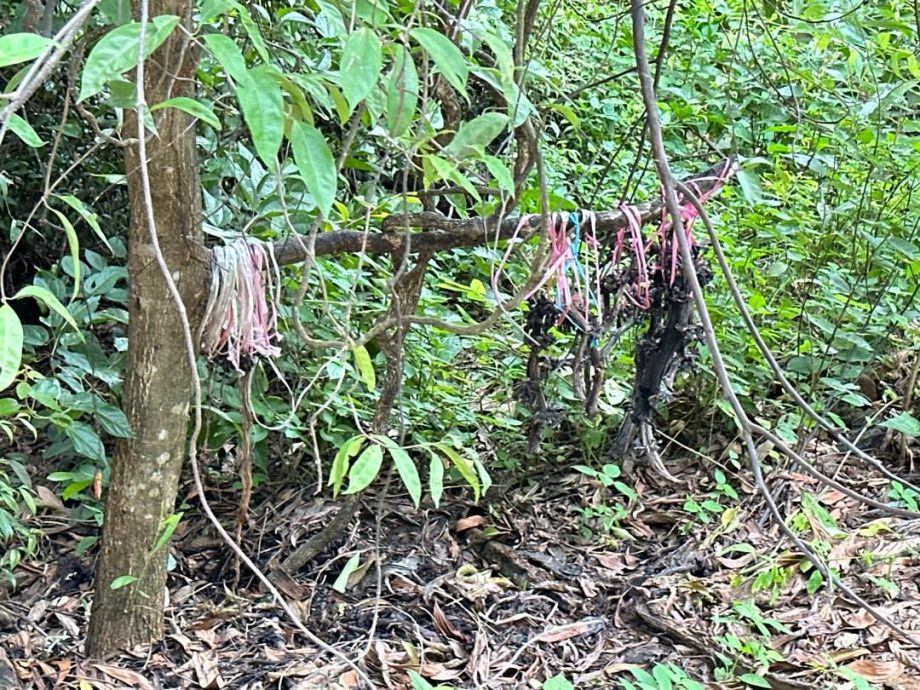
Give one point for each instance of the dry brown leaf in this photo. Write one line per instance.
(877, 671)
(126, 676)
(470, 522)
(830, 497)
(207, 670)
(444, 626)
(349, 679)
(735, 563)
(565, 632)
(612, 561)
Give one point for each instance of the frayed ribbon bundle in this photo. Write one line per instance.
(239, 322)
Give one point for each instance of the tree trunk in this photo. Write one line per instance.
(146, 467)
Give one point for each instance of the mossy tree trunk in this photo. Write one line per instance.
(146, 467)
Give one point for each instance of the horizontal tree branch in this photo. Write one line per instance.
(440, 233)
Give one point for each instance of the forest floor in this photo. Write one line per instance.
(510, 593)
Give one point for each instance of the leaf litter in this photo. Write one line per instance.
(509, 593)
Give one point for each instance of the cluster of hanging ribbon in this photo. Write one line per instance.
(575, 265)
(239, 321)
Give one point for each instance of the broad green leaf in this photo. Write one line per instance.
(24, 131)
(662, 676)
(436, 478)
(10, 345)
(365, 469)
(419, 683)
(117, 52)
(229, 56)
(463, 467)
(406, 468)
(252, 31)
(45, 296)
(315, 163)
(166, 531)
(22, 47)
(122, 581)
(558, 682)
(113, 420)
(365, 366)
(755, 680)
(74, 245)
(263, 110)
(194, 108)
(116, 11)
(475, 135)
(402, 93)
(484, 476)
(446, 56)
(91, 218)
(906, 423)
(86, 441)
(341, 582)
(436, 168)
(340, 464)
(500, 172)
(361, 64)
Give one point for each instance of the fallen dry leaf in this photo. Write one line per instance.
(207, 671)
(126, 676)
(877, 671)
(470, 522)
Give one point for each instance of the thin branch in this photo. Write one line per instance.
(441, 233)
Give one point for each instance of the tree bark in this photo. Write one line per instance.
(147, 466)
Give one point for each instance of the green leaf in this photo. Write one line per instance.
(122, 581)
(361, 64)
(484, 476)
(436, 478)
(419, 683)
(558, 682)
(74, 245)
(16, 48)
(475, 135)
(252, 31)
(86, 441)
(662, 677)
(500, 172)
(167, 528)
(340, 464)
(91, 218)
(10, 345)
(117, 52)
(906, 423)
(315, 163)
(341, 582)
(365, 469)
(24, 131)
(45, 296)
(263, 110)
(406, 468)
(402, 93)
(755, 680)
(446, 56)
(365, 366)
(463, 467)
(229, 56)
(113, 420)
(194, 108)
